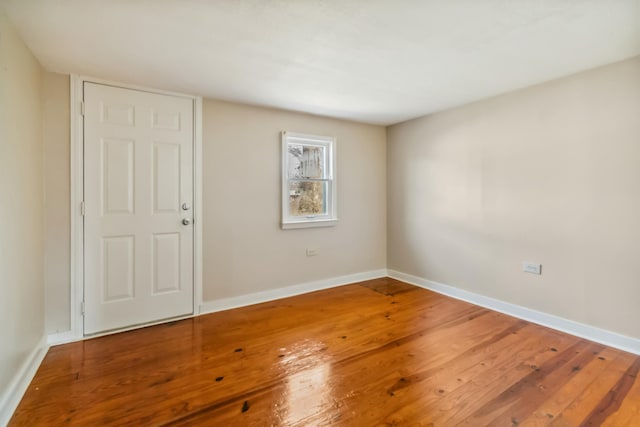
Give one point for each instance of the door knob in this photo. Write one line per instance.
(186, 221)
(186, 206)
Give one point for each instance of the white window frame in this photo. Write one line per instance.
(324, 220)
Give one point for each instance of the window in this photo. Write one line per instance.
(308, 181)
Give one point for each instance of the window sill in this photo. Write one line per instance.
(309, 224)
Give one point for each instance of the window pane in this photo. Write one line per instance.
(307, 198)
(306, 161)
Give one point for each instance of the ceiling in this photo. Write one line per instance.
(373, 61)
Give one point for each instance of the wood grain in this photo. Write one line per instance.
(380, 352)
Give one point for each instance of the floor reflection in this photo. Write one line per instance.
(308, 389)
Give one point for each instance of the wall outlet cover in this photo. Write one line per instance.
(532, 267)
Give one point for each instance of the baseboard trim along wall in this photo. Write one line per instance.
(582, 330)
(13, 394)
(288, 291)
(249, 299)
(592, 333)
(61, 338)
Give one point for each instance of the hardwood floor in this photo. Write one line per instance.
(375, 353)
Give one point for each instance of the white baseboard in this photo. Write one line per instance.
(62, 338)
(289, 291)
(592, 333)
(11, 397)
(249, 299)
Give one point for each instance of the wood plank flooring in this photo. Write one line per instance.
(379, 352)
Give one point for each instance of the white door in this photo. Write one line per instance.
(138, 193)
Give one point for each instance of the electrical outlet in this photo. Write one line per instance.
(531, 267)
(312, 252)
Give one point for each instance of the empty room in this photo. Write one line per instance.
(319, 212)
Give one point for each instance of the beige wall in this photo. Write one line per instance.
(21, 189)
(549, 174)
(244, 248)
(56, 140)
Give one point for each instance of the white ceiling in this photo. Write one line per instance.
(375, 61)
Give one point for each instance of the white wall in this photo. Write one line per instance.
(245, 250)
(21, 204)
(549, 174)
(56, 139)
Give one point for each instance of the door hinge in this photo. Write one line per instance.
(83, 209)
(82, 308)
(82, 108)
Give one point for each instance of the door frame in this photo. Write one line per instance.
(76, 302)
